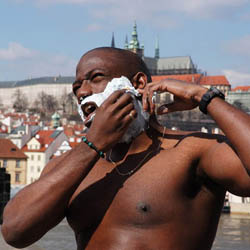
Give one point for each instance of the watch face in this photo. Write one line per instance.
(216, 92)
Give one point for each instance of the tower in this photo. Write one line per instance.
(55, 120)
(126, 43)
(134, 44)
(157, 49)
(113, 41)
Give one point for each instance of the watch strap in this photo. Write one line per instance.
(207, 98)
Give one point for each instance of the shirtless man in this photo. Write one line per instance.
(164, 190)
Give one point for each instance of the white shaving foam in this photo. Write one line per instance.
(139, 124)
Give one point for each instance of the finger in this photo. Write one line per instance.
(145, 103)
(142, 91)
(114, 97)
(127, 120)
(163, 109)
(123, 101)
(125, 111)
(150, 101)
(132, 114)
(170, 107)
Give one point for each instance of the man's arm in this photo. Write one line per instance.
(42, 205)
(229, 165)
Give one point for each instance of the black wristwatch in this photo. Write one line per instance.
(208, 96)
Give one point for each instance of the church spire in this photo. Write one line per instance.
(157, 49)
(134, 44)
(113, 41)
(126, 43)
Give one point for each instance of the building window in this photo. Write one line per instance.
(17, 177)
(5, 163)
(38, 169)
(32, 157)
(18, 163)
(32, 169)
(39, 157)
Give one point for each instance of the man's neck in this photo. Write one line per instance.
(120, 150)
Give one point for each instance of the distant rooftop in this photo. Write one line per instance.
(241, 88)
(40, 80)
(196, 78)
(8, 150)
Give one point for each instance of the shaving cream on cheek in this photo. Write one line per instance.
(114, 85)
(138, 125)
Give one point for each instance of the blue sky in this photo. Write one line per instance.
(47, 37)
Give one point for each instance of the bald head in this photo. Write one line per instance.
(128, 62)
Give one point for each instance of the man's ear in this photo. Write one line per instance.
(139, 80)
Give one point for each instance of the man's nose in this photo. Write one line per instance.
(84, 91)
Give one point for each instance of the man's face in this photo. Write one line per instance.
(93, 73)
(95, 70)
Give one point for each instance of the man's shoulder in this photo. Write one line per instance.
(190, 138)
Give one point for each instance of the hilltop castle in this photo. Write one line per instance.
(157, 65)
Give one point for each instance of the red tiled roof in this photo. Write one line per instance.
(32, 123)
(214, 80)
(188, 78)
(79, 127)
(68, 131)
(16, 116)
(241, 88)
(8, 150)
(74, 144)
(75, 130)
(44, 138)
(196, 78)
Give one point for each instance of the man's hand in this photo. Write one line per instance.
(111, 120)
(186, 96)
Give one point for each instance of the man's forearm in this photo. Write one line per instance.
(236, 126)
(41, 205)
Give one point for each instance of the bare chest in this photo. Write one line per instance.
(153, 194)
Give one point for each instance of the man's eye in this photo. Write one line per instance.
(75, 88)
(97, 77)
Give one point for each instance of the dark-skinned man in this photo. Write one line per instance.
(154, 190)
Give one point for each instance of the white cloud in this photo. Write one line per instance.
(197, 8)
(237, 78)
(16, 51)
(19, 63)
(205, 7)
(239, 46)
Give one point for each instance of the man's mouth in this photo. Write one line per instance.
(88, 110)
(89, 119)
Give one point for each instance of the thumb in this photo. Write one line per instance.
(168, 108)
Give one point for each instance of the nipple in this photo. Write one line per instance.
(143, 207)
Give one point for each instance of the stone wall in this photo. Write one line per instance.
(240, 208)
